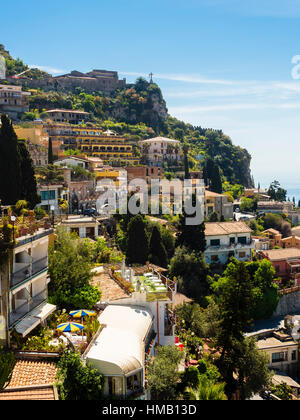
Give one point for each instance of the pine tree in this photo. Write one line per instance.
(10, 167)
(28, 184)
(137, 246)
(158, 253)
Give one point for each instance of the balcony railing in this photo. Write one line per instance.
(27, 307)
(28, 271)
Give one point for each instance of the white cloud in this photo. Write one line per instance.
(231, 107)
(48, 69)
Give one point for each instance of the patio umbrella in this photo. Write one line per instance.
(70, 327)
(80, 313)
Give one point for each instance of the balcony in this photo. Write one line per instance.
(26, 307)
(28, 271)
(229, 247)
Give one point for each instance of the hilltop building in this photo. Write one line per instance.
(105, 81)
(97, 80)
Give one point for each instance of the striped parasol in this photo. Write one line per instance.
(80, 313)
(70, 327)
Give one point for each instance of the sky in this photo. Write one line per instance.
(223, 64)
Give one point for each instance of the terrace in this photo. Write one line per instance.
(153, 283)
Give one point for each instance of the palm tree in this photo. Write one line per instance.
(207, 390)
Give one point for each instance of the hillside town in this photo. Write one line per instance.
(100, 301)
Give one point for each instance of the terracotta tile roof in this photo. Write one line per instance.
(158, 139)
(289, 238)
(225, 228)
(72, 111)
(282, 254)
(31, 393)
(212, 194)
(33, 372)
(180, 299)
(271, 230)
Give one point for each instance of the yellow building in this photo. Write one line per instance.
(37, 142)
(91, 141)
(35, 134)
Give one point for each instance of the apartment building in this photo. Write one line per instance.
(91, 141)
(228, 239)
(24, 280)
(13, 101)
(108, 148)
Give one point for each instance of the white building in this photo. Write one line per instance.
(228, 239)
(50, 195)
(72, 161)
(159, 149)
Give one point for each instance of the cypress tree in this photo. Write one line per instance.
(216, 181)
(28, 185)
(191, 236)
(10, 167)
(185, 149)
(158, 254)
(50, 153)
(137, 245)
(212, 176)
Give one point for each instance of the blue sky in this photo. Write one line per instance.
(220, 63)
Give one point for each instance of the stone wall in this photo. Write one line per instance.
(289, 303)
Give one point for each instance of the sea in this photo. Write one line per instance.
(293, 192)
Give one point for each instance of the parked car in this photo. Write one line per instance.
(90, 212)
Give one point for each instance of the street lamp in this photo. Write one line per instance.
(13, 219)
(52, 210)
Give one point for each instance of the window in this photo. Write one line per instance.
(242, 254)
(214, 258)
(294, 355)
(48, 195)
(232, 241)
(279, 357)
(242, 240)
(215, 242)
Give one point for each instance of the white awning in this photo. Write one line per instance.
(119, 349)
(34, 318)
